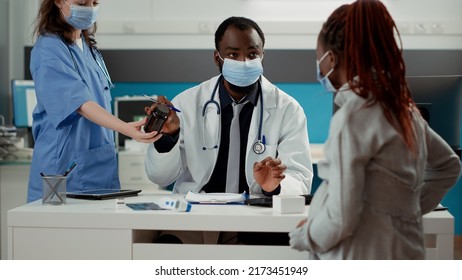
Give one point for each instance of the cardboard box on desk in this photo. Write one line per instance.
(288, 204)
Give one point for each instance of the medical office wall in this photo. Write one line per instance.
(179, 24)
(162, 47)
(4, 82)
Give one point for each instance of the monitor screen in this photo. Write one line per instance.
(440, 100)
(129, 109)
(24, 101)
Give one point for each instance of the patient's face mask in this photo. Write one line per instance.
(325, 82)
(242, 73)
(82, 17)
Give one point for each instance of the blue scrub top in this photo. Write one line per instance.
(61, 135)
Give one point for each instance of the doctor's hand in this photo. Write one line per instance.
(269, 173)
(172, 124)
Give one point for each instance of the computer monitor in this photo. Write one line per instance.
(24, 101)
(129, 109)
(439, 98)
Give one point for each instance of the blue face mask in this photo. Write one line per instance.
(325, 82)
(82, 17)
(242, 73)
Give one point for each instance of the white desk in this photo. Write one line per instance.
(84, 229)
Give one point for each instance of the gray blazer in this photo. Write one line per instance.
(374, 191)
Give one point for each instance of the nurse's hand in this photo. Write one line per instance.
(135, 132)
(269, 173)
(97, 114)
(172, 124)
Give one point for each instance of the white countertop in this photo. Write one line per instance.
(106, 214)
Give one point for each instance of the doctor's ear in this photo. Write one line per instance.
(217, 59)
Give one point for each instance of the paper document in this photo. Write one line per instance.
(216, 198)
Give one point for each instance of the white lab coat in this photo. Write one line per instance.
(190, 167)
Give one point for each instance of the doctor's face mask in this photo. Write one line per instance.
(242, 73)
(82, 17)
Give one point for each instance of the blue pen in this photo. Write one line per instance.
(69, 169)
(155, 101)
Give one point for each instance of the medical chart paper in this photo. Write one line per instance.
(215, 198)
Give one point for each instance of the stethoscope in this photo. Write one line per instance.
(258, 147)
(98, 57)
(101, 64)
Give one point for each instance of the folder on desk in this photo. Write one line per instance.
(100, 194)
(215, 198)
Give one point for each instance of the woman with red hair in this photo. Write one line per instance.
(384, 167)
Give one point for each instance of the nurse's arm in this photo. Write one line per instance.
(97, 114)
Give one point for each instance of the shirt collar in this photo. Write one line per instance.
(226, 99)
(341, 96)
(345, 94)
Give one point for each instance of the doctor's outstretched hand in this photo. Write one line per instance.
(268, 173)
(172, 124)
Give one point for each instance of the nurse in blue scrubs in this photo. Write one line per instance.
(72, 120)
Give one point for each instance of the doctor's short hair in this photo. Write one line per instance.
(240, 23)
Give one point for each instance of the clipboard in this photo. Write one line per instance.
(100, 194)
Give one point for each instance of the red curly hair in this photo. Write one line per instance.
(362, 34)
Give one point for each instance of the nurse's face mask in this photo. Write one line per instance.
(82, 17)
(325, 82)
(241, 73)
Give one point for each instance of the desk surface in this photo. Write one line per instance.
(106, 214)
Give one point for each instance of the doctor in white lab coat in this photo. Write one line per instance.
(277, 152)
(190, 167)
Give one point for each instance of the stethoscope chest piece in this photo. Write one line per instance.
(259, 148)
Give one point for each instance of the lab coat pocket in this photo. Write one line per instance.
(270, 151)
(97, 168)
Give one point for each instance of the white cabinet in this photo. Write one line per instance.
(89, 230)
(132, 173)
(71, 243)
(14, 179)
